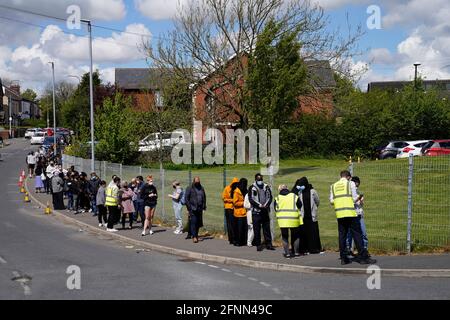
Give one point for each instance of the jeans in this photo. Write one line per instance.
(178, 210)
(262, 220)
(140, 210)
(76, 203)
(70, 200)
(135, 213)
(363, 232)
(94, 206)
(295, 240)
(344, 226)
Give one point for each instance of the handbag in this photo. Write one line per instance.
(43, 177)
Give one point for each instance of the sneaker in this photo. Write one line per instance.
(112, 230)
(345, 261)
(178, 232)
(249, 244)
(259, 248)
(143, 234)
(367, 261)
(100, 225)
(151, 232)
(90, 210)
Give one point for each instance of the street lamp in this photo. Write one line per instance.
(91, 92)
(415, 73)
(54, 108)
(10, 108)
(72, 76)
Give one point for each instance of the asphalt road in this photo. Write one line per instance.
(36, 251)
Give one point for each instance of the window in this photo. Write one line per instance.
(159, 101)
(400, 144)
(420, 145)
(209, 102)
(445, 145)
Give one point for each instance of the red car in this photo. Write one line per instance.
(436, 148)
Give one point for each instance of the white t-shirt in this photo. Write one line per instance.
(31, 159)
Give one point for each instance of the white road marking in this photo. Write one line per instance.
(213, 266)
(252, 279)
(276, 290)
(226, 270)
(198, 262)
(265, 284)
(2, 260)
(239, 274)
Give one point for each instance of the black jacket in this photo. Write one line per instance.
(145, 191)
(192, 201)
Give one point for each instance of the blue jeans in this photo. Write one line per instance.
(94, 206)
(70, 202)
(364, 234)
(178, 210)
(140, 209)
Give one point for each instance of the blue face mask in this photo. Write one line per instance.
(259, 183)
(300, 188)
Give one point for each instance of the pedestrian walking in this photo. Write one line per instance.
(250, 234)
(343, 196)
(112, 204)
(287, 209)
(126, 204)
(38, 183)
(360, 212)
(260, 197)
(58, 190)
(100, 201)
(309, 231)
(227, 198)
(150, 196)
(178, 200)
(240, 213)
(31, 162)
(196, 205)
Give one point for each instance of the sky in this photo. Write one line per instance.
(409, 31)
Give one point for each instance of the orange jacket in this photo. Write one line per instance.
(238, 202)
(226, 195)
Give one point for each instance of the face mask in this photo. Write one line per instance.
(197, 184)
(150, 182)
(301, 188)
(259, 183)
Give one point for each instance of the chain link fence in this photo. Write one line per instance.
(394, 190)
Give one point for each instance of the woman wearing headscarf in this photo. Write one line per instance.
(309, 231)
(58, 190)
(240, 213)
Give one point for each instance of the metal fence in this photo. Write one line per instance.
(394, 190)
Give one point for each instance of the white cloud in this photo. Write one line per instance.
(159, 9)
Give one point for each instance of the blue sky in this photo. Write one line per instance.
(412, 30)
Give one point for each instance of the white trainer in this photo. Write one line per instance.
(112, 230)
(151, 232)
(100, 225)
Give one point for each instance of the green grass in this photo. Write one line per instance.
(384, 184)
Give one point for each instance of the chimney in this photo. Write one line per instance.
(15, 88)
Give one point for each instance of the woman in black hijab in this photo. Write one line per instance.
(309, 231)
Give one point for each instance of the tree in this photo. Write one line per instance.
(63, 91)
(213, 37)
(29, 94)
(116, 131)
(276, 78)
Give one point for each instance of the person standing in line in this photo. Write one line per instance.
(343, 196)
(287, 209)
(260, 198)
(227, 198)
(92, 188)
(58, 190)
(150, 196)
(112, 203)
(38, 183)
(100, 201)
(140, 200)
(240, 213)
(196, 205)
(31, 162)
(133, 187)
(309, 234)
(360, 212)
(177, 203)
(49, 173)
(126, 204)
(250, 234)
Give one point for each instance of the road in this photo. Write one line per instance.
(36, 251)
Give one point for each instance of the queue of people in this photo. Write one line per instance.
(247, 208)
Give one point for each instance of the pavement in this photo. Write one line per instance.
(37, 250)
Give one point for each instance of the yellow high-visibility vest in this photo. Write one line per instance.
(286, 211)
(343, 200)
(111, 196)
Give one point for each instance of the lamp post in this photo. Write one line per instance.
(72, 76)
(54, 108)
(91, 92)
(415, 74)
(10, 108)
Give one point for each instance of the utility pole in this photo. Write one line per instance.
(415, 74)
(91, 92)
(54, 108)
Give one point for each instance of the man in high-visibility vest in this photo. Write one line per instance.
(287, 210)
(343, 196)
(112, 203)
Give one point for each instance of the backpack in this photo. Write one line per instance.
(183, 198)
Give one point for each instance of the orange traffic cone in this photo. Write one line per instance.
(23, 174)
(27, 198)
(47, 209)
(22, 190)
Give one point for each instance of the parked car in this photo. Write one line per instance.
(391, 150)
(436, 148)
(30, 132)
(413, 147)
(155, 140)
(38, 138)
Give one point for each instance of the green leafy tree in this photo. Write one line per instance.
(29, 94)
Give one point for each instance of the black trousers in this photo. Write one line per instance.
(130, 219)
(195, 222)
(262, 220)
(113, 216)
(295, 240)
(102, 214)
(352, 224)
(229, 217)
(240, 230)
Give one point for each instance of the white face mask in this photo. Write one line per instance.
(301, 188)
(259, 183)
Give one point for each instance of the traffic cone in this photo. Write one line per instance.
(20, 182)
(23, 174)
(22, 190)
(27, 198)
(47, 209)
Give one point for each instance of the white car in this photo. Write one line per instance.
(30, 133)
(38, 138)
(413, 147)
(154, 140)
